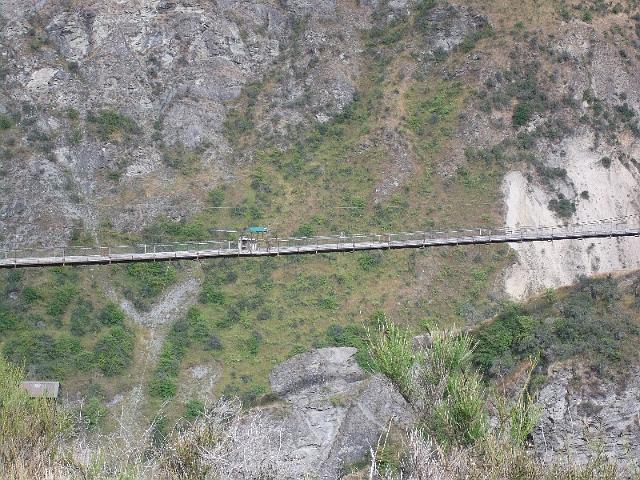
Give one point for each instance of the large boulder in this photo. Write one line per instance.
(332, 412)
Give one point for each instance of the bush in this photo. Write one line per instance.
(152, 278)
(216, 196)
(60, 300)
(111, 314)
(163, 388)
(305, 230)
(584, 322)
(81, 319)
(213, 343)
(47, 357)
(5, 122)
(253, 343)
(93, 413)
(211, 294)
(8, 319)
(562, 206)
(114, 350)
(198, 328)
(522, 114)
(164, 381)
(111, 125)
(511, 331)
(30, 295)
(369, 260)
(193, 409)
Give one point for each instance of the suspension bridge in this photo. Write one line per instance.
(264, 245)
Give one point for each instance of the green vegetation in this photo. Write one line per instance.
(114, 350)
(112, 125)
(5, 122)
(146, 281)
(93, 413)
(111, 315)
(440, 381)
(193, 327)
(182, 158)
(522, 114)
(589, 322)
(562, 206)
(57, 326)
(30, 429)
(391, 353)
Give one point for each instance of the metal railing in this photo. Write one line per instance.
(264, 246)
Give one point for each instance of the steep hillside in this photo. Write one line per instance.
(152, 120)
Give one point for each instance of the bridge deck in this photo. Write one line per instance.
(293, 246)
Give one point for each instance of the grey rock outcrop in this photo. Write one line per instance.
(333, 412)
(584, 415)
(174, 68)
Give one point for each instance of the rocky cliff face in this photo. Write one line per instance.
(170, 67)
(585, 416)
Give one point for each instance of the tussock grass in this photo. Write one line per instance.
(453, 438)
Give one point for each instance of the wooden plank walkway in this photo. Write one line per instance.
(16, 258)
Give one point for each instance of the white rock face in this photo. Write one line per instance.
(40, 78)
(613, 192)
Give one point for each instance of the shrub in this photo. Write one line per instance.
(114, 350)
(93, 413)
(111, 125)
(5, 122)
(369, 260)
(81, 320)
(46, 356)
(562, 206)
(213, 343)
(253, 343)
(164, 381)
(305, 230)
(193, 409)
(111, 314)
(8, 319)
(522, 114)
(216, 196)
(163, 388)
(197, 325)
(211, 294)
(152, 278)
(60, 300)
(606, 162)
(511, 331)
(233, 315)
(30, 295)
